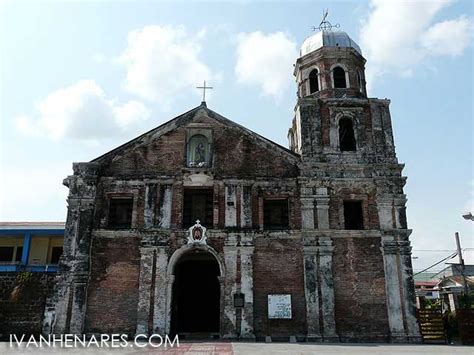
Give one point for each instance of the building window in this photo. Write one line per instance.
(19, 253)
(353, 218)
(198, 151)
(275, 214)
(347, 142)
(339, 77)
(56, 253)
(313, 81)
(198, 204)
(6, 254)
(120, 212)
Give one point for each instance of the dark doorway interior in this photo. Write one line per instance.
(196, 295)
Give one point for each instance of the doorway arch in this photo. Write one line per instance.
(196, 291)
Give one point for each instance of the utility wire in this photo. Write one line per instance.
(439, 262)
(444, 250)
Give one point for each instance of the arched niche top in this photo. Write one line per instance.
(189, 248)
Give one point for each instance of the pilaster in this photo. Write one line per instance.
(228, 326)
(161, 280)
(400, 211)
(310, 251)
(408, 288)
(322, 208)
(73, 276)
(327, 289)
(246, 259)
(147, 255)
(307, 212)
(79, 297)
(392, 288)
(385, 208)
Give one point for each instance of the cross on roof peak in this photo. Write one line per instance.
(204, 88)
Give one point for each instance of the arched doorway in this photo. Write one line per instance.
(195, 306)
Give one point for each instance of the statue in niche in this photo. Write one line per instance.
(199, 154)
(198, 151)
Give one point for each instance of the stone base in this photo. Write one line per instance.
(331, 339)
(416, 339)
(247, 337)
(293, 339)
(314, 338)
(398, 338)
(268, 339)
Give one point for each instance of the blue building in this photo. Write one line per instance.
(30, 246)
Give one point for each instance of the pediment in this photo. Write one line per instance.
(234, 149)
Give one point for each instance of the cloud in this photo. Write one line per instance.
(163, 61)
(399, 35)
(81, 111)
(266, 60)
(448, 37)
(36, 196)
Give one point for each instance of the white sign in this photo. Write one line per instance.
(279, 306)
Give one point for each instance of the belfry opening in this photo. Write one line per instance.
(196, 296)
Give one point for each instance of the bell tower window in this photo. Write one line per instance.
(313, 81)
(347, 142)
(353, 215)
(339, 78)
(198, 154)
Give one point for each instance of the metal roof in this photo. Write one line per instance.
(32, 225)
(328, 39)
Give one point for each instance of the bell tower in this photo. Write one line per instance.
(351, 184)
(331, 115)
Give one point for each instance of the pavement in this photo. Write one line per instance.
(238, 348)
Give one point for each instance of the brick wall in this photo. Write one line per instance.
(359, 286)
(113, 288)
(166, 156)
(24, 316)
(278, 269)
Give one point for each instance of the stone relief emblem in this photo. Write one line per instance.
(197, 234)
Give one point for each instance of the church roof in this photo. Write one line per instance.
(328, 39)
(187, 117)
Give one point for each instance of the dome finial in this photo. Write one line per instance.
(325, 25)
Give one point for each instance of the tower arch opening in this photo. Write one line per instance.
(347, 141)
(339, 78)
(313, 81)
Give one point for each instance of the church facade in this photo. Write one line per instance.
(201, 227)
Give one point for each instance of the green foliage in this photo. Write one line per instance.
(466, 300)
(430, 303)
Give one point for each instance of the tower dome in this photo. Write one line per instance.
(327, 38)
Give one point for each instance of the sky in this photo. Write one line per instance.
(79, 78)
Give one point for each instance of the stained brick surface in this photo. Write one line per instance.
(25, 315)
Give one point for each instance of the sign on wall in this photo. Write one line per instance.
(279, 306)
